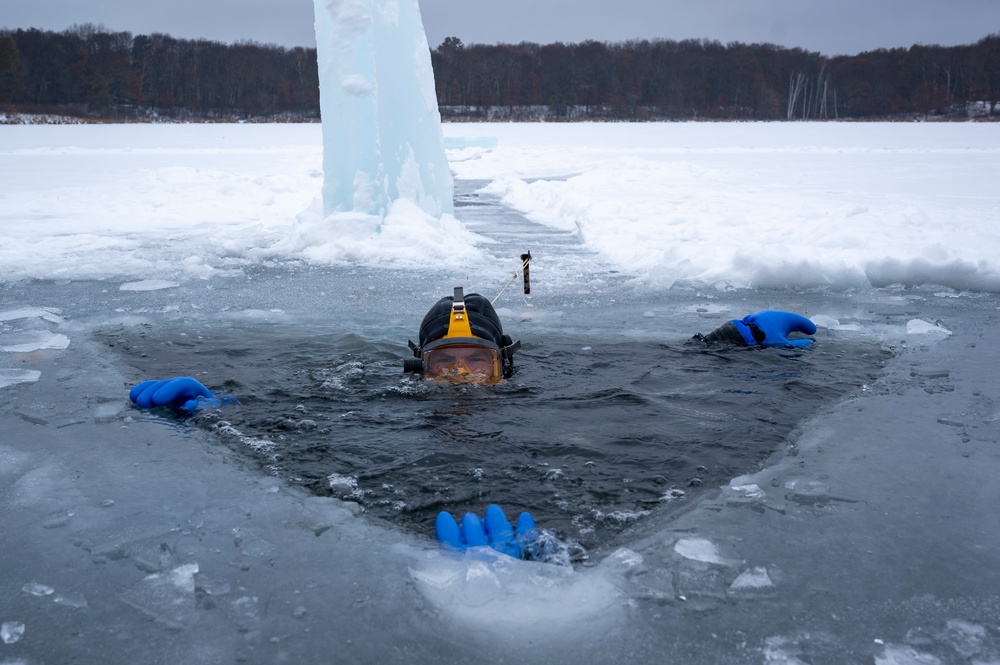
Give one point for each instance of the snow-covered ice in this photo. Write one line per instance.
(873, 537)
(744, 205)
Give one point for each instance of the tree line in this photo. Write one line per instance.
(665, 79)
(90, 71)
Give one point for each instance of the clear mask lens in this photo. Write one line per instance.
(461, 363)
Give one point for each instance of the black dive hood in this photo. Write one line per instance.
(483, 322)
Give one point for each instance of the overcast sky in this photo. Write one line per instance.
(831, 27)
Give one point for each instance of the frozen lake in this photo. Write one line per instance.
(863, 530)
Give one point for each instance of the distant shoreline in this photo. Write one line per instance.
(89, 73)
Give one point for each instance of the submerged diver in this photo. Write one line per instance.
(462, 341)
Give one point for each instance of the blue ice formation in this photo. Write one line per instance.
(382, 138)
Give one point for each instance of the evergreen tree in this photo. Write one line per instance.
(11, 69)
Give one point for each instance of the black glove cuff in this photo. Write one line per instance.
(727, 333)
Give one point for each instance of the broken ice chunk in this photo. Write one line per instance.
(72, 599)
(11, 631)
(9, 377)
(45, 313)
(36, 589)
(921, 327)
(167, 597)
(148, 285)
(699, 549)
(35, 340)
(755, 578)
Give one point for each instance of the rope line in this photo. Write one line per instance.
(524, 264)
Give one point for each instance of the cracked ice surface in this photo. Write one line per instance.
(872, 538)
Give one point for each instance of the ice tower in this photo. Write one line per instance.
(382, 137)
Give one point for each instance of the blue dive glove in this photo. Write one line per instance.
(770, 327)
(181, 393)
(495, 530)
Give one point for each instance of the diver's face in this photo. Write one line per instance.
(467, 363)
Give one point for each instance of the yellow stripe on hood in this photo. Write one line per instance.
(459, 324)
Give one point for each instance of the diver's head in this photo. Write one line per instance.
(461, 340)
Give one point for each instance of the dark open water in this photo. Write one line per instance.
(589, 435)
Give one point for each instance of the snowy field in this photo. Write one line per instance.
(873, 539)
